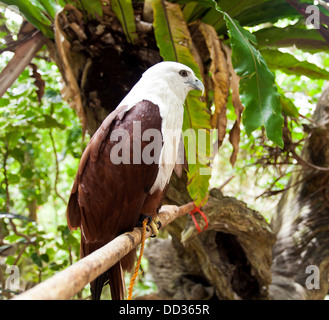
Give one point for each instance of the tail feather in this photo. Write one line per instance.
(116, 281)
(97, 285)
(114, 276)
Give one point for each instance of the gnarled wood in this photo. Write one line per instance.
(230, 260)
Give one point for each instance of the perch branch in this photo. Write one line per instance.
(68, 282)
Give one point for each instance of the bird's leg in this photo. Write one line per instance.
(153, 222)
(155, 225)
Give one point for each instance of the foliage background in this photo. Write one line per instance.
(41, 142)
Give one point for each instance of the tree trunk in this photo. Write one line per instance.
(98, 65)
(301, 223)
(231, 259)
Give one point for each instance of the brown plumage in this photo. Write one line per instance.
(108, 196)
(107, 199)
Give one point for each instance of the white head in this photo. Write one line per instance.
(163, 81)
(179, 77)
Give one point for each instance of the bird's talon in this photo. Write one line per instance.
(154, 228)
(153, 223)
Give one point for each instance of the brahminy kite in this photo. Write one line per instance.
(120, 177)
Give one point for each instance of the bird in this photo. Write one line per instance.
(125, 168)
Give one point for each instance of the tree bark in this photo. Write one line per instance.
(229, 260)
(98, 65)
(301, 222)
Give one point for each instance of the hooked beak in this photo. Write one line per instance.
(196, 84)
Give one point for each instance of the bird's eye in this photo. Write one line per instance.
(183, 73)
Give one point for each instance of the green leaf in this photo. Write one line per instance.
(36, 259)
(4, 102)
(248, 12)
(288, 107)
(18, 154)
(12, 138)
(257, 88)
(253, 12)
(54, 266)
(172, 35)
(163, 32)
(123, 9)
(27, 173)
(51, 7)
(94, 8)
(199, 171)
(49, 122)
(44, 257)
(33, 11)
(305, 39)
(174, 42)
(287, 63)
(13, 238)
(190, 10)
(10, 260)
(13, 178)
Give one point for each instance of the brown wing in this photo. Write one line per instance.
(107, 198)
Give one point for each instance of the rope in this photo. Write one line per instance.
(197, 209)
(133, 278)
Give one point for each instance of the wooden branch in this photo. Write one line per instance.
(230, 260)
(68, 282)
(23, 56)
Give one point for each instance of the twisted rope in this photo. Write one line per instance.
(133, 278)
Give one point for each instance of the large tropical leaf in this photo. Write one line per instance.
(287, 63)
(247, 12)
(175, 44)
(125, 13)
(257, 89)
(258, 92)
(172, 35)
(263, 12)
(51, 7)
(297, 35)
